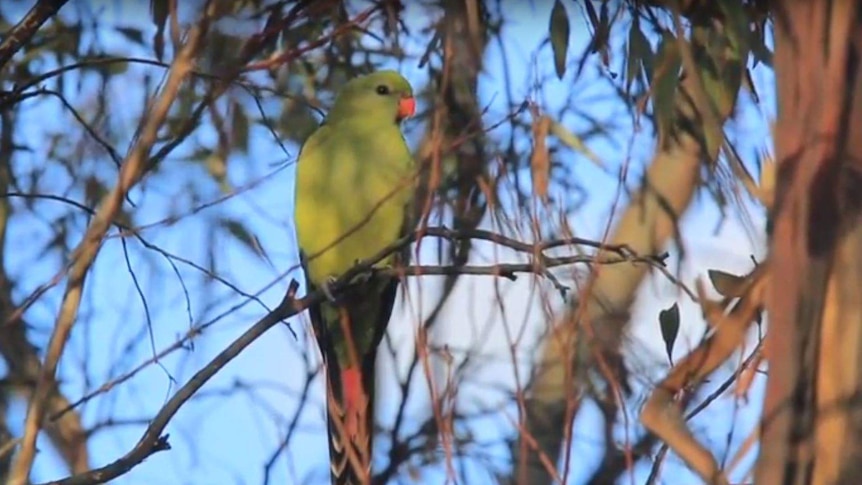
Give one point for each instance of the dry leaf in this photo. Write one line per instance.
(540, 161)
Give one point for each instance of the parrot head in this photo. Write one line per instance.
(379, 95)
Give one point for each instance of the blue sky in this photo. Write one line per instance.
(227, 434)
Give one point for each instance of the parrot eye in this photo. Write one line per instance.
(382, 90)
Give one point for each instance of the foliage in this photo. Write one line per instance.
(197, 243)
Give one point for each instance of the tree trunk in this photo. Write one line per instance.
(812, 429)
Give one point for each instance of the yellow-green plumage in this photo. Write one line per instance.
(353, 186)
(346, 172)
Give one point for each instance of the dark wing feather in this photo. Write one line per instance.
(342, 472)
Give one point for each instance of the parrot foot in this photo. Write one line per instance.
(327, 288)
(365, 277)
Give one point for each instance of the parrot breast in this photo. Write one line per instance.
(352, 191)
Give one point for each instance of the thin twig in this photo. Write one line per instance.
(292, 54)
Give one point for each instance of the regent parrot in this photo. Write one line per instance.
(353, 189)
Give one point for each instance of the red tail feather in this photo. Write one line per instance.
(354, 401)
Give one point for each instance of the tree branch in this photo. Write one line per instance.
(152, 440)
(85, 253)
(16, 38)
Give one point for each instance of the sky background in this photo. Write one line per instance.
(228, 432)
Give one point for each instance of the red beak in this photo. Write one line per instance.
(406, 107)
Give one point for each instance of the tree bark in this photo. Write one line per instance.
(812, 424)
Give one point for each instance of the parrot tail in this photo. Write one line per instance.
(350, 423)
(350, 382)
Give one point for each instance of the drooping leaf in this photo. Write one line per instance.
(240, 127)
(558, 30)
(540, 161)
(738, 30)
(665, 83)
(216, 165)
(638, 54)
(721, 69)
(58, 241)
(668, 321)
(159, 12)
(111, 68)
(272, 22)
(240, 232)
(297, 122)
(221, 47)
(574, 142)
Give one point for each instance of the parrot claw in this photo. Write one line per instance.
(327, 288)
(364, 277)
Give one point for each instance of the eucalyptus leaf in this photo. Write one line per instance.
(665, 83)
(726, 284)
(638, 55)
(159, 12)
(558, 30)
(238, 230)
(668, 321)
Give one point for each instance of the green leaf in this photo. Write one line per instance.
(241, 233)
(132, 34)
(297, 122)
(722, 70)
(573, 141)
(726, 284)
(94, 191)
(668, 321)
(759, 50)
(216, 165)
(240, 126)
(114, 68)
(665, 83)
(639, 55)
(558, 30)
(274, 19)
(159, 12)
(739, 34)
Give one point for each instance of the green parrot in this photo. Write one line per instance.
(354, 185)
